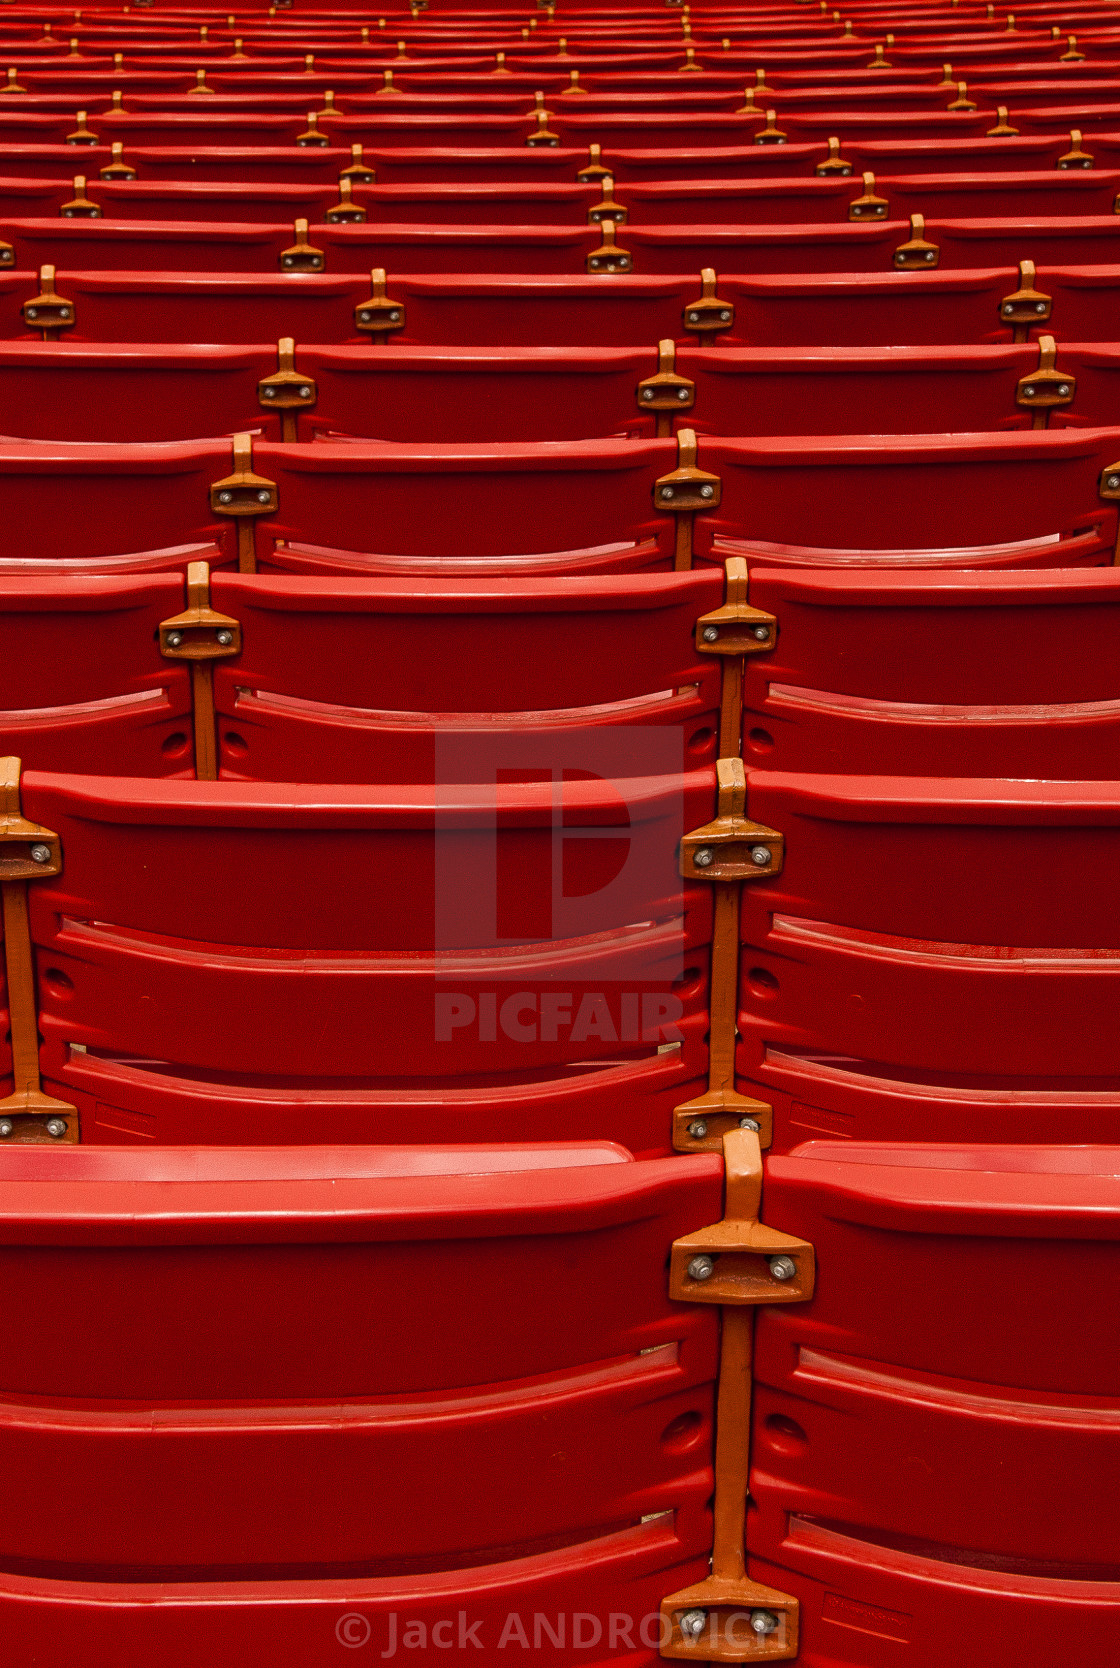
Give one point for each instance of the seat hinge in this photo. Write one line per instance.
(1003, 128)
(302, 256)
(733, 631)
(727, 852)
(28, 852)
(609, 256)
(708, 315)
(608, 208)
(1026, 306)
(359, 172)
(962, 101)
(287, 390)
(771, 134)
(80, 207)
(917, 254)
(245, 496)
(48, 312)
(1076, 156)
(118, 168)
(869, 206)
(313, 133)
(82, 134)
(593, 168)
(739, 1262)
(346, 212)
(542, 134)
(667, 391)
(1045, 389)
(387, 85)
(379, 316)
(573, 89)
(200, 636)
(834, 163)
(683, 491)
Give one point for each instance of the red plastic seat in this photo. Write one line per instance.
(925, 1461)
(219, 1460)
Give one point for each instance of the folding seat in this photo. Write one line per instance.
(656, 131)
(936, 500)
(995, 196)
(526, 202)
(1058, 239)
(217, 200)
(825, 246)
(444, 963)
(159, 127)
(157, 245)
(1081, 298)
(383, 132)
(494, 164)
(871, 124)
(276, 165)
(136, 392)
(738, 201)
(192, 307)
(924, 1469)
(1013, 155)
(992, 708)
(335, 1459)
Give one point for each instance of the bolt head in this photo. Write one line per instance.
(761, 634)
(666, 492)
(782, 1268)
(707, 491)
(1008, 309)
(174, 638)
(225, 638)
(694, 318)
(263, 497)
(394, 316)
(1063, 390)
(1113, 482)
(32, 312)
(6, 1128)
(594, 263)
(647, 393)
(725, 316)
(682, 393)
(692, 1623)
(929, 254)
(764, 1622)
(704, 857)
(750, 1123)
(710, 634)
(64, 312)
(268, 393)
(760, 856)
(286, 260)
(225, 498)
(1029, 393)
(856, 209)
(1040, 306)
(305, 392)
(56, 1128)
(698, 1129)
(40, 854)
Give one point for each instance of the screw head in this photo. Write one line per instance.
(1029, 392)
(305, 392)
(56, 1128)
(704, 857)
(225, 638)
(1113, 482)
(694, 318)
(263, 497)
(764, 1622)
(692, 1623)
(783, 1268)
(364, 316)
(225, 498)
(32, 312)
(761, 634)
(701, 1267)
(1063, 390)
(682, 393)
(286, 260)
(1040, 306)
(750, 1123)
(856, 209)
(707, 491)
(666, 492)
(64, 312)
(40, 854)
(174, 638)
(760, 856)
(1008, 309)
(725, 316)
(929, 255)
(394, 316)
(710, 634)
(6, 1128)
(268, 393)
(698, 1130)
(593, 262)
(647, 393)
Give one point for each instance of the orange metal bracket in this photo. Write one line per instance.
(609, 256)
(199, 636)
(48, 311)
(1026, 305)
(917, 254)
(379, 316)
(286, 390)
(683, 491)
(302, 256)
(708, 315)
(739, 1263)
(869, 206)
(1045, 389)
(244, 495)
(667, 391)
(27, 852)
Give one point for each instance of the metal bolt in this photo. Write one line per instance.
(707, 491)
(394, 316)
(263, 497)
(856, 209)
(269, 393)
(750, 1123)
(929, 254)
(783, 1268)
(647, 393)
(225, 498)
(692, 1623)
(694, 318)
(1063, 389)
(1029, 393)
(761, 634)
(760, 856)
(1008, 309)
(698, 1130)
(701, 1267)
(32, 312)
(174, 638)
(56, 1128)
(622, 265)
(225, 638)
(40, 854)
(364, 316)
(764, 1621)
(305, 392)
(594, 263)
(64, 312)
(682, 393)
(666, 492)
(1040, 306)
(286, 260)
(710, 634)
(1113, 482)
(6, 1127)
(725, 317)
(704, 857)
